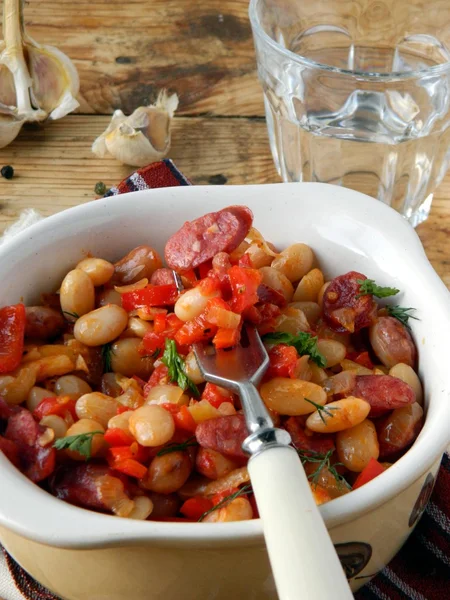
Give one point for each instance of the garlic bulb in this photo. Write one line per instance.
(36, 82)
(141, 138)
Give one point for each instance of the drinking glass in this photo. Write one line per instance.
(357, 93)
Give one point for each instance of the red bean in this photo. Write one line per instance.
(224, 434)
(200, 240)
(392, 342)
(398, 430)
(383, 393)
(343, 310)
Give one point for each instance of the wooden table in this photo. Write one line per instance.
(125, 52)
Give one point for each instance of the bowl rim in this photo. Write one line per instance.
(64, 525)
(265, 38)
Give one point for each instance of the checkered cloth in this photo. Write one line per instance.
(420, 571)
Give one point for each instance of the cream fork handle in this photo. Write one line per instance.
(303, 559)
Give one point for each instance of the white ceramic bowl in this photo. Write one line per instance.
(79, 554)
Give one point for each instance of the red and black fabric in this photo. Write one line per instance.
(420, 571)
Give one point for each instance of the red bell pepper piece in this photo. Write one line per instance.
(217, 498)
(130, 467)
(152, 295)
(362, 358)
(191, 277)
(244, 285)
(245, 261)
(195, 507)
(372, 470)
(12, 334)
(227, 338)
(55, 405)
(159, 375)
(204, 269)
(283, 360)
(159, 323)
(197, 330)
(118, 437)
(216, 396)
(184, 420)
(11, 450)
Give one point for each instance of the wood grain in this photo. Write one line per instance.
(55, 169)
(126, 51)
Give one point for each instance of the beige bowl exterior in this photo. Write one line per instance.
(81, 555)
(145, 572)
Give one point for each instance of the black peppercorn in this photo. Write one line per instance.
(7, 172)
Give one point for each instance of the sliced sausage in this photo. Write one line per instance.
(224, 434)
(343, 310)
(162, 277)
(270, 295)
(392, 342)
(10, 450)
(80, 485)
(43, 323)
(139, 263)
(36, 462)
(383, 393)
(200, 240)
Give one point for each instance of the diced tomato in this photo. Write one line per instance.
(197, 330)
(244, 285)
(245, 261)
(204, 269)
(191, 277)
(160, 375)
(118, 437)
(227, 338)
(54, 406)
(195, 507)
(159, 323)
(131, 467)
(372, 470)
(184, 420)
(12, 334)
(283, 360)
(362, 358)
(219, 313)
(217, 396)
(152, 342)
(152, 295)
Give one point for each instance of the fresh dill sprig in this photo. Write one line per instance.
(322, 409)
(178, 447)
(401, 314)
(243, 491)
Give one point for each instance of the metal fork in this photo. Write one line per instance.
(303, 559)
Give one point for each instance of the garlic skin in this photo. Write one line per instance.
(37, 82)
(143, 137)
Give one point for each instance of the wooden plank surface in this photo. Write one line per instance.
(55, 169)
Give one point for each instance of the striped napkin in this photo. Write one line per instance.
(420, 571)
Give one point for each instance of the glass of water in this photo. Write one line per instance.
(357, 93)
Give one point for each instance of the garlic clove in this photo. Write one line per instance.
(9, 128)
(55, 80)
(141, 138)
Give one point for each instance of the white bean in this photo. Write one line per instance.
(126, 359)
(357, 445)
(56, 423)
(86, 426)
(238, 509)
(291, 320)
(311, 310)
(333, 351)
(143, 507)
(138, 327)
(36, 395)
(109, 297)
(408, 375)
(96, 406)
(259, 258)
(192, 369)
(121, 421)
(294, 262)
(77, 295)
(167, 394)
(71, 385)
(192, 303)
(339, 415)
(277, 281)
(152, 425)
(100, 271)
(101, 326)
(288, 396)
(309, 287)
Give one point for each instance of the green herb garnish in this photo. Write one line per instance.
(401, 314)
(369, 287)
(100, 188)
(81, 443)
(323, 409)
(178, 447)
(225, 501)
(322, 460)
(107, 352)
(71, 314)
(177, 368)
(303, 342)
